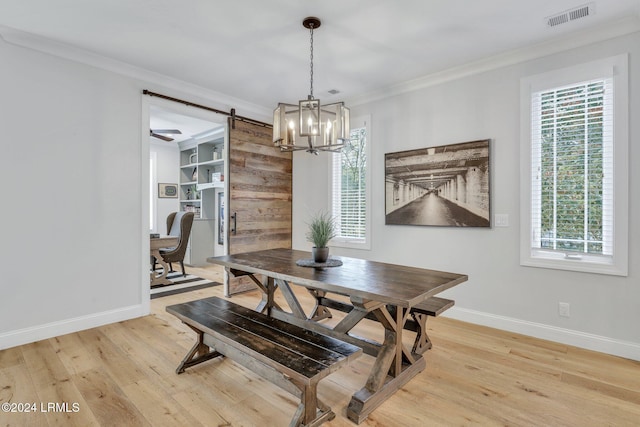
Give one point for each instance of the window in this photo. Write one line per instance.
(350, 189)
(574, 161)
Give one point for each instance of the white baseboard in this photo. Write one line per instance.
(626, 349)
(54, 329)
(598, 343)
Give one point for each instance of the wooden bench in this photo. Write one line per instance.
(419, 313)
(291, 357)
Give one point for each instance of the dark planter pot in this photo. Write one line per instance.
(320, 255)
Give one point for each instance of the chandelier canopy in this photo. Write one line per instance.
(309, 125)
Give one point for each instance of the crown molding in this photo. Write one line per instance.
(627, 25)
(62, 50)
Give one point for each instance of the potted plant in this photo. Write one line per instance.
(322, 228)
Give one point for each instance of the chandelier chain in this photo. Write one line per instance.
(311, 56)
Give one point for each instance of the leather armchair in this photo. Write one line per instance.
(178, 224)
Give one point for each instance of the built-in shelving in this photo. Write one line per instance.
(202, 163)
(211, 164)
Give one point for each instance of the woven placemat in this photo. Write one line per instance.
(331, 262)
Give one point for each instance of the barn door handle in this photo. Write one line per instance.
(234, 217)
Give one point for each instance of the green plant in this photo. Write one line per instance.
(322, 228)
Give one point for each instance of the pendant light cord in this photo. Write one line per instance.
(311, 55)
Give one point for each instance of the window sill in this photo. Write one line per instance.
(351, 244)
(578, 265)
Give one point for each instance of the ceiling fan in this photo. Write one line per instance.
(159, 133)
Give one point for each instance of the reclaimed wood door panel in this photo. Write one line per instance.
(260, 194)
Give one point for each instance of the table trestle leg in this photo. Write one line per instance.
(268, 288)
(319, 312)
(291, 299)
(394, 366)
(361, 308)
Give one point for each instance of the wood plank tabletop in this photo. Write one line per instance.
(163, 242)
(388, 283)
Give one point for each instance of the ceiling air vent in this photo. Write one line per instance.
(571, 15)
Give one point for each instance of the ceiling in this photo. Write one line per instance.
(258, 51)
(191, 127)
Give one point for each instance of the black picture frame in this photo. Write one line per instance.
(446, 185)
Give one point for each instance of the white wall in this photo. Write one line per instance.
(75, 167)
(71, 213)
(167, 171)
(605, 310)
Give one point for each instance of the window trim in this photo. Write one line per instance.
(346, 242)
(617, 68)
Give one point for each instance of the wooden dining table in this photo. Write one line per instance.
(155, 244)
(386, 291)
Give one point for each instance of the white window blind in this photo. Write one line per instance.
(349, 190)
(572, 169)
(574, 186)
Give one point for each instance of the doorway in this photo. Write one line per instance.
(174, 179)
(261, 178)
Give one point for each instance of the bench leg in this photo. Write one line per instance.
(311, 411)
(422, 342)
(199, 353)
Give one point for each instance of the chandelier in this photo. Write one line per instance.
(309, 125)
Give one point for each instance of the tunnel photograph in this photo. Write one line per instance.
(446, 185)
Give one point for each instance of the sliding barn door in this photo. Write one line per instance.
(260, 188)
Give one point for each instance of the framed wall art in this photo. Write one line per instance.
(446, 185)
(168, 191)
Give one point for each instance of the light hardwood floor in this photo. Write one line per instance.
(123, 375)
